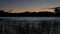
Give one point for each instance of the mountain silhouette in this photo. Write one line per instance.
(32, 14)
(28, 14)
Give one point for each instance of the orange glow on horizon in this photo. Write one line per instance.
(30, 10)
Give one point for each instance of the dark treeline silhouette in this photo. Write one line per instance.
(28, 14)
(57, 10)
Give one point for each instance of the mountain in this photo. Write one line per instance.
(2, 13)
(32, 14)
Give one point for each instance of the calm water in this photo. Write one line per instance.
(29, 25)
(31, 18)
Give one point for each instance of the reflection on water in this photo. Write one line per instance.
(43, 26)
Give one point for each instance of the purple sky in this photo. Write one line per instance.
(25, 4)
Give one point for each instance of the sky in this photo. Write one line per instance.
(27, 4)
